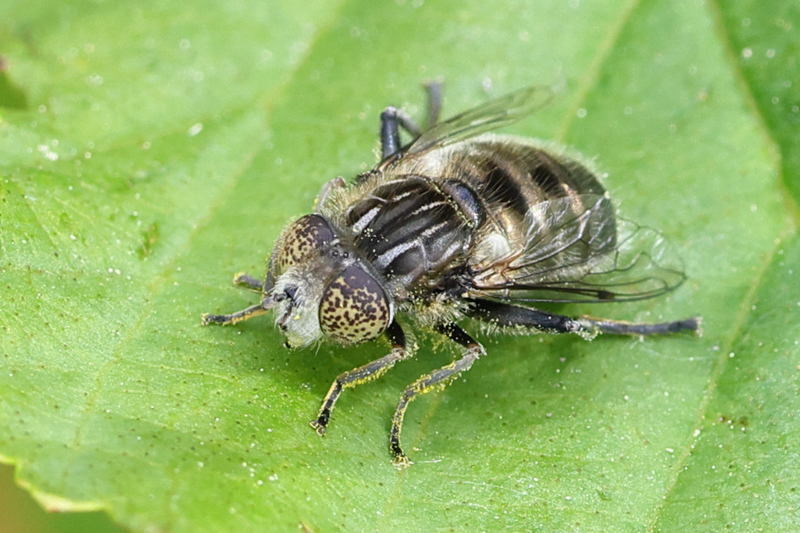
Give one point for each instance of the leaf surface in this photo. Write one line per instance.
(137, 174)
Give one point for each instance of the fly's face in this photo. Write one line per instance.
(292, 287)
(296, 300)
(320, 288)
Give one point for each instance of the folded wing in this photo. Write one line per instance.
(577, 250)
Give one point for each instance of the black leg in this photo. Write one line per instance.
(437, 379)
(248, 281)
(619, 327)
(507, 315)
(390, 135)
(391, 120)
(362, 374)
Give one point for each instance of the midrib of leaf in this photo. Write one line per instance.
(263, 104)
(66, 268)
(744, 313)
(742, 317)
(218, 116)
(588, 81)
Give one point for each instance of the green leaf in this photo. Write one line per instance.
(148, 151)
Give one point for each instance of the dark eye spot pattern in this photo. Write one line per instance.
(301, 238)
(354, 308)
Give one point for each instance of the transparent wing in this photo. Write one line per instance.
(489, 116)
(577, 250)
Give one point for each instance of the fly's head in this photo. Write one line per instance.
(319, 287)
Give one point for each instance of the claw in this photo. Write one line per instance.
(208, 318)
(401, 461)
(318, 426)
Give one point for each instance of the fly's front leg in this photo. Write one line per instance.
(507, 315)
(336, 183)
(437, 379)
(362, 374)
(233, 318)
(244, 280)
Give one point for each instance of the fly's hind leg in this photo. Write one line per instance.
(437, 379)
(362, 374)
(507, 315)
(433, 90)
(619, 327)
(392, 119)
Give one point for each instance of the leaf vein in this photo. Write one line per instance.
(742, 316)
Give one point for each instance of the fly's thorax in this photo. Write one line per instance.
(321, 287)
(411, 228)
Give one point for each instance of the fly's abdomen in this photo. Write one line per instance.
(515, 176)
(412, 227)
(512, 179)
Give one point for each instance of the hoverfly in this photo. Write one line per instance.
(458, 223)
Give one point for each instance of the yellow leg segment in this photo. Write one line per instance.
(233, 318)
(363, 374)
(438, 379)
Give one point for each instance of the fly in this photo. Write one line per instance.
(459, 223)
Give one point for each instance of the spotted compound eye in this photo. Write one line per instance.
(300, 240)
(354, 307)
